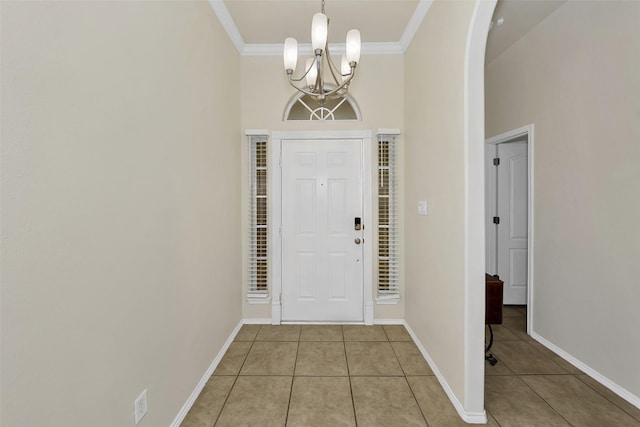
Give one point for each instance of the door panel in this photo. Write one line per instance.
(513, 229)
(322, 274)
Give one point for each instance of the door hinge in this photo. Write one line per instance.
(496, 220)
(496, 161)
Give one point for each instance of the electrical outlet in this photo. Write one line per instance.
(140, 406)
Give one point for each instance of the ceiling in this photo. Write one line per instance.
(259, 27)
(271, 21)
(519, 17)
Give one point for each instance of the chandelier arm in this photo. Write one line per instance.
(319, 87)
(332, 66)
(305, 91)
(344, 84)
(291, 78)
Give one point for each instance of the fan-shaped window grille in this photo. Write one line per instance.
(305, 107)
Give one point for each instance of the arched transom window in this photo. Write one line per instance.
(305, 107)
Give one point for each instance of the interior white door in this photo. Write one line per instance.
(513, 228)
(322, 252)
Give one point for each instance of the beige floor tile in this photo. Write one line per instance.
(207, 406)
(434, 403)
(363, 333)
(321, 359)
(517, 325)
(321, 333)
(500, 333)
(233, 358)
(521, 358)
(410, 358)
(498, 369)
(257, 401)
(513, 403)
(577, 402)
(611, 396)
(372, 358)
(320, 402)
(270, 358)
(397, 333)
(399, 407)
(491, 421)
(247, 333)
(555, 358)
(279, 333)
(512, 311)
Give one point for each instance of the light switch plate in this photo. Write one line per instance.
(140, 406)
(422, 207)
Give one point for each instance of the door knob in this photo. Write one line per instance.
(357, 240)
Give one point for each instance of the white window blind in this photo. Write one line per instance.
(388, 221)
(258, 288)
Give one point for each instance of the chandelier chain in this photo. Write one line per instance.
(322, 6)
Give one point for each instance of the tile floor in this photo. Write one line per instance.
(335, 375)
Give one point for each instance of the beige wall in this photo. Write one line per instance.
(120, 208)
(266, 92)
(576, 77)
(435, 172)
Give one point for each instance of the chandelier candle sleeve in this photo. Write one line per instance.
(319, 31)
(353, 46)
(290, 54)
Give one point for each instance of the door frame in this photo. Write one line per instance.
(275, 220)
(524, 131)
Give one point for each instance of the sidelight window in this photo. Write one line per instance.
(388, 221)
(258, 289)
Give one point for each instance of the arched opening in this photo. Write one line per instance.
(474, 211)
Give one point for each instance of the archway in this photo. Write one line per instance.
(474, 209)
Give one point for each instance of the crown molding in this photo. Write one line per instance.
(414, 23)
(228, 23)
(304, 49)
(275, 49)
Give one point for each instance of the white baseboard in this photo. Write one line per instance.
(389, 322)
(468, 417)
(620, 391)
(257, 321)
(203, 381)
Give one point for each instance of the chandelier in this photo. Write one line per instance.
(313, 80)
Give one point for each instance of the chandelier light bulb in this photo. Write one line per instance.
(290, 54)
(353, 46)
(319, 29)
(312, 75)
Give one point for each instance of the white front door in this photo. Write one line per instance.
(512, 239)
(322, 252)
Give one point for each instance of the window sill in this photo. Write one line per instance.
(258, 298)
(388, 299)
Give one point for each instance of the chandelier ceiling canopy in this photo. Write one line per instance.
(314, 82)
